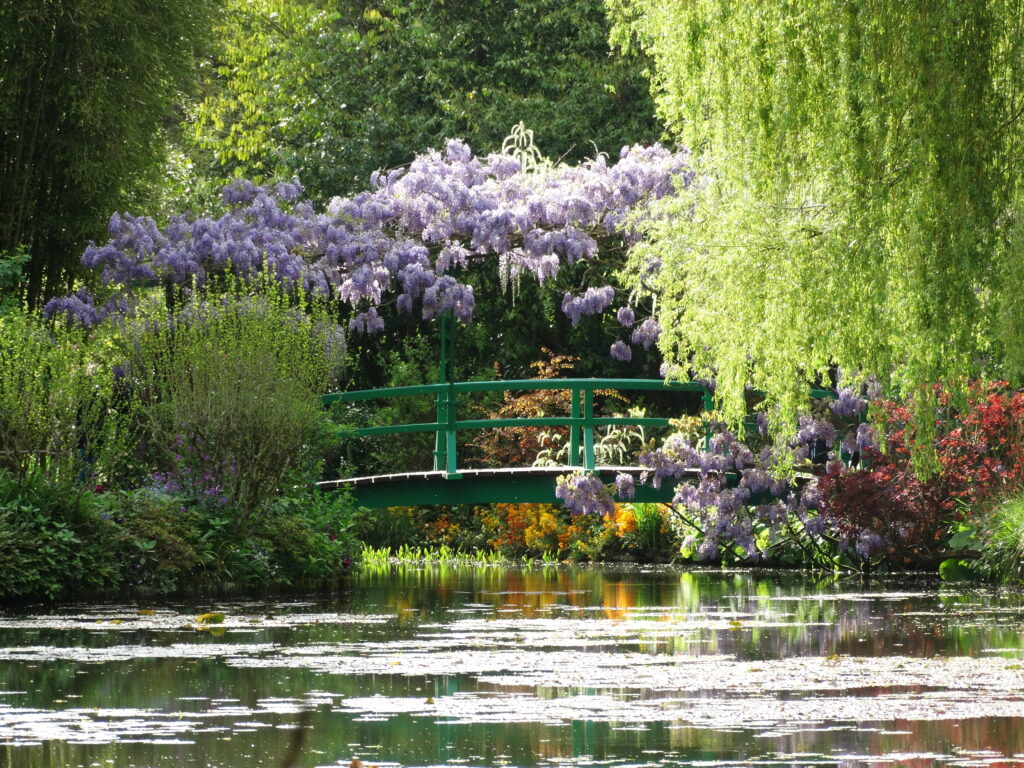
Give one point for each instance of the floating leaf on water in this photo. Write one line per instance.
(214, 617)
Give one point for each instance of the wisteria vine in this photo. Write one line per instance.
(731, 495)
(404, 240)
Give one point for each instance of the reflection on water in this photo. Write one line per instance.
(542, 666)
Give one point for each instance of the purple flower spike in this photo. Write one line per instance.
(621, 351)
(625, 486)
(646, 333)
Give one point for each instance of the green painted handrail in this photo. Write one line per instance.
(581, 421)
(507, 385)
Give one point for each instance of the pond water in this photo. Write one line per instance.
(543, 666)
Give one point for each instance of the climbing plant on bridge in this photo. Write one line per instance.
(405, 243)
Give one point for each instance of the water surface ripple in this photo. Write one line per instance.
(544, 666)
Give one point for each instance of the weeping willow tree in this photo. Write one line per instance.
(860, 195)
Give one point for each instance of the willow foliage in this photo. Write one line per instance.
(860, 204)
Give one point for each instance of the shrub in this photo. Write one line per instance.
(56, 423)
(52, 542)
(980, 454)
(308, 536)
(999, 527)
(226, 393)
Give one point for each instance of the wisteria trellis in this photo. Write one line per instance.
(405, 242)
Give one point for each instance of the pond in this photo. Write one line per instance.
(542, 666)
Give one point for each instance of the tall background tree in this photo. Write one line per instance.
(861, 197)
(331, 91)
(87, 91)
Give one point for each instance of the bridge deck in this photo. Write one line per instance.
(516, 485)
(535, 485)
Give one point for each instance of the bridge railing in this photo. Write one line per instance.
(581, 420)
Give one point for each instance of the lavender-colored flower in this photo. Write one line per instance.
(868, 543)
(646, 333)
(584, 494)
(593, 302)
(78, 308)
(848, 406)
(439, 213)
(762, 423)
(621, 351)
(811, 430)
(625, 487)
(866, 437)
(625, 316)
(367, 322)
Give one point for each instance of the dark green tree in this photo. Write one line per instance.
(332, 91)
(85, 92)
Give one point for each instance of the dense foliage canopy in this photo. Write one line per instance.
(85, 91)
(860, 196)
(331, 92)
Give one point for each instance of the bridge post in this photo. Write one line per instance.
(588, 431)
(445, 454)
(574, 429)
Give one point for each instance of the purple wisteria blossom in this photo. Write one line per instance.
(405, 240)
(594, 301)
(625, 485)
(584, 494)
(811, 430)
(848, 405)
(621, 351)
(78, 309)
(646, 333)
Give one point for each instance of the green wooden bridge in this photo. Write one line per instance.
(449, 483)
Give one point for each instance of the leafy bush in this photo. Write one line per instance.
(980, 450)
(52, 542)
(997, 533)
(56, 421)
(227, 396)
(160, 544)
(309, 536)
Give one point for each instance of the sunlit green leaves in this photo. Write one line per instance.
(331, 93)
(860, 199)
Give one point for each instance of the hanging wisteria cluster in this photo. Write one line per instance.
(403, 241)
(731, 496)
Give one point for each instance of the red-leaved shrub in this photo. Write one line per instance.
(980, 451)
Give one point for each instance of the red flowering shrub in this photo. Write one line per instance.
(980, 451)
